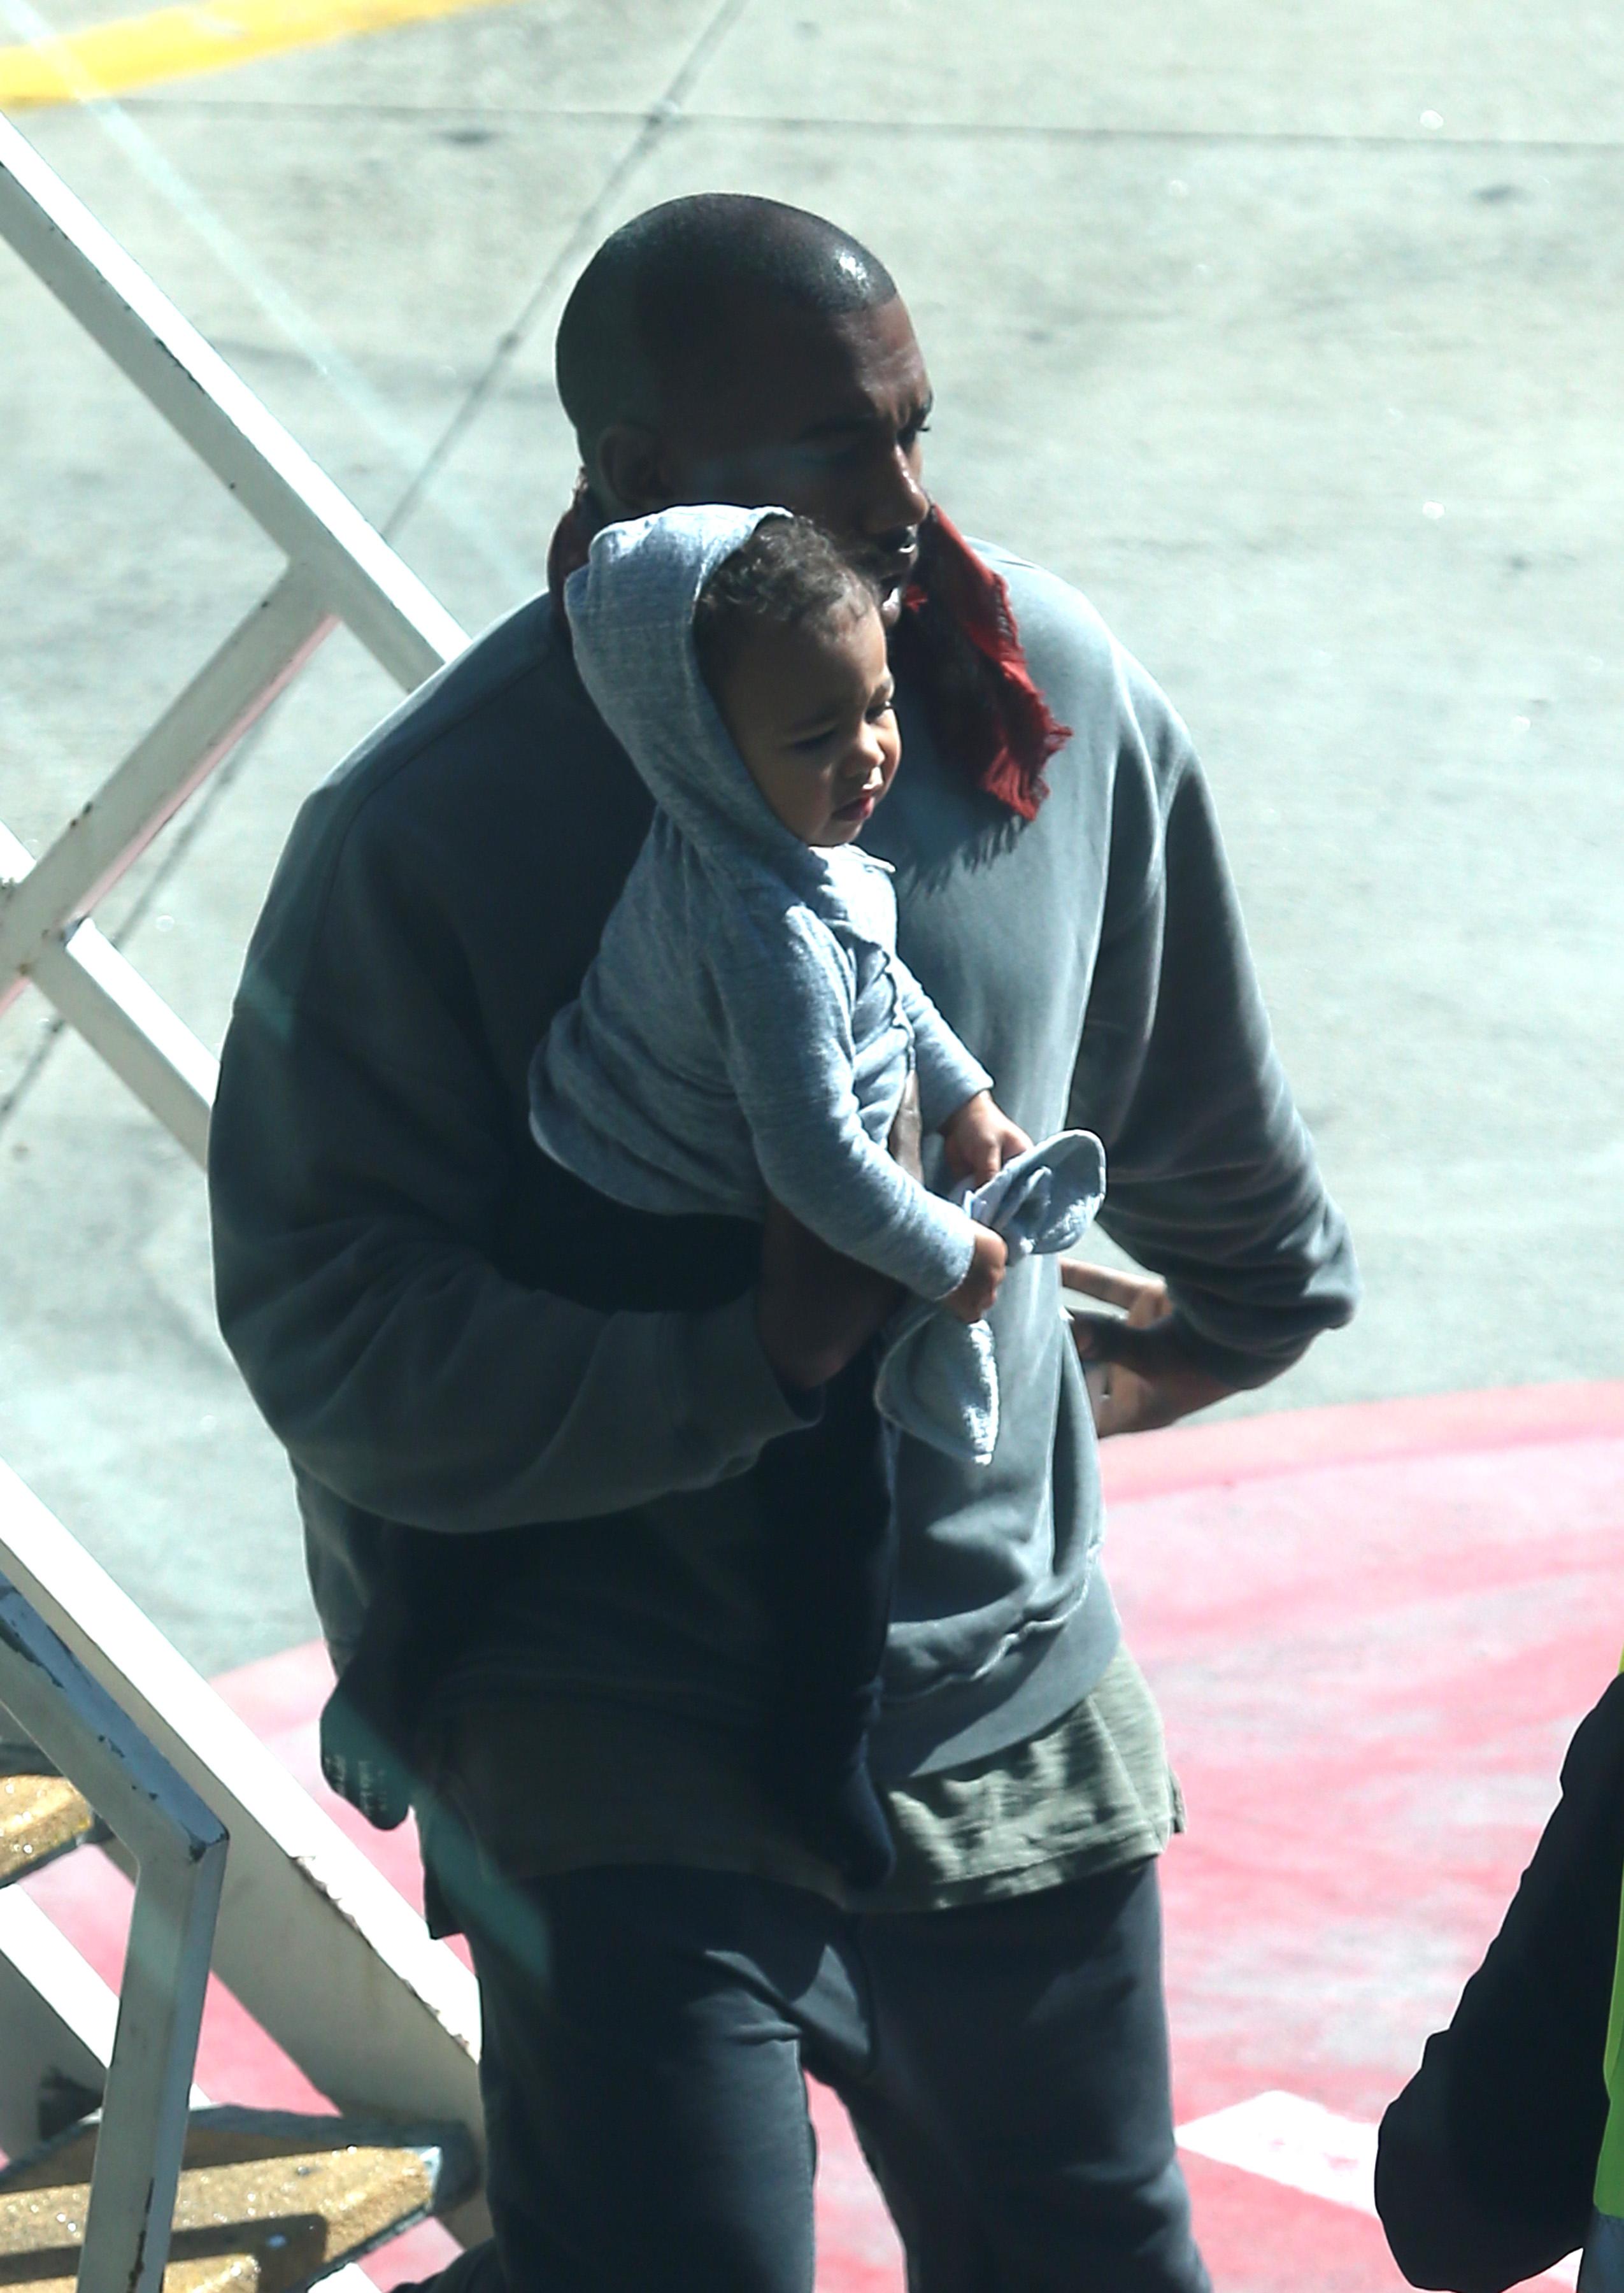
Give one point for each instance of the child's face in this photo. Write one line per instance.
(810, 712)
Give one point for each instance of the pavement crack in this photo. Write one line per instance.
(666, 112)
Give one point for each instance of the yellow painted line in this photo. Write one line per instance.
(177, 43)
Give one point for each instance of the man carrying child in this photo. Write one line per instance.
(413, 1292)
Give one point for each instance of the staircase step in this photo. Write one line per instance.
(41, 1816)
(267, 2200)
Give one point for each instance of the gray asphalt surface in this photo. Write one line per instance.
(1292, 335)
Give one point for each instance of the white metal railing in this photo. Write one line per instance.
(180, 1848)
(338, 568)
(311, 1939)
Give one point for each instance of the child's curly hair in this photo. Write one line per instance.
(788, 571)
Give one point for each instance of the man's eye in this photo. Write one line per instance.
(910, 431)
(880, 709)
(810, 742)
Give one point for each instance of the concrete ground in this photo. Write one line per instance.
(1292, 335)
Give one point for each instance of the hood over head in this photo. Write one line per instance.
(631, 619)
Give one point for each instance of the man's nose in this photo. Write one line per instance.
(897, 501)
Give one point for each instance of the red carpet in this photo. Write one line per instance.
(1372, 1631)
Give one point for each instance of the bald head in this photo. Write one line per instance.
(723, 349)
(667, 302)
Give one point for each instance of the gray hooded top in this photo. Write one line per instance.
(393, 1273)
(747, 1026)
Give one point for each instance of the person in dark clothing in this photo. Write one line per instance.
(1485, 2163)
(402, 1287)
(714, 641)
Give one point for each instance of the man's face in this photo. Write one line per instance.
(823, 415)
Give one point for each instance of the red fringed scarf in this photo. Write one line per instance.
(985, 711)
(957, 636)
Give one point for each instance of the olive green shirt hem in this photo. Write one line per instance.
(554, 1785)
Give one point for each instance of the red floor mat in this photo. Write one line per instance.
(1372, 1631)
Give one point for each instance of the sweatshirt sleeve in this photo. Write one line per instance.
(364, 1156)
(948, 1075)
(1213, 1181)
(790, 1063)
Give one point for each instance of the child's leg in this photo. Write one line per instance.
(830, 1570)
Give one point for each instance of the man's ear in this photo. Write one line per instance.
(631, 470)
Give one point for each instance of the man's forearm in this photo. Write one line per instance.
(449, 1399)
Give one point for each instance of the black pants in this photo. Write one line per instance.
(1486, 2161)
(1006, 2068)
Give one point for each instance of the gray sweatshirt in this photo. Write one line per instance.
(747, 1026)
(393, 1280)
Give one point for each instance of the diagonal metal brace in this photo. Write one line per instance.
(399, 621)
(265, 650)
(179, 1845)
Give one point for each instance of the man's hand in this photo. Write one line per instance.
(1138, 1372)
(815, 1311)
(980, 1138)
(906, 1139)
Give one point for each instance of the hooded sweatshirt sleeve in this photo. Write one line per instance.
(791, 1059)
(362, 1150)
(1213, 1181)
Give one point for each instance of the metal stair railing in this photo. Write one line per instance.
(310, 1938)
(312, 1941)
(180, 1848)
(338, 570)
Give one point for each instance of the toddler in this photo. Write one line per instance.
(746, 1029)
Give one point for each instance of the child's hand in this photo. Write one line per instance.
(980, 1286)
(981, 1138)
